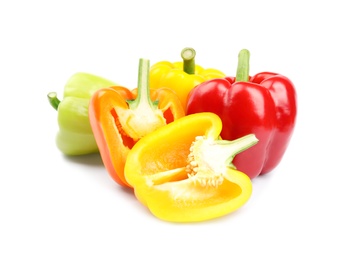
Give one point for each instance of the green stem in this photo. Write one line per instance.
(243, 66)
(188, 55)
(53, 100)
(229, 149)
(143, 89)
(219, 154)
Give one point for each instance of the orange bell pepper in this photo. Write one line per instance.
(120, 117)
(183, 171)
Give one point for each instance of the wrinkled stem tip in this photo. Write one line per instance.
(53, 100)
(52, 95)
(244, 52)
(188, 53)
(243, 66)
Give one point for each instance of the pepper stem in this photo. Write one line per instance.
(229, 149)
(53, 100)
(188, 56)
(143, 89)
(143, 115)
(216, 156)
(243, 66)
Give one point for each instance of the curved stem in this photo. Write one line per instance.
(188, 55)
(230, 149)
(243, 66)
(219, 154)
(143, 89)
(53, 100)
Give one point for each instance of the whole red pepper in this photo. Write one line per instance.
(264, 104)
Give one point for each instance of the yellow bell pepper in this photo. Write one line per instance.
(181, 76)
(183, 171)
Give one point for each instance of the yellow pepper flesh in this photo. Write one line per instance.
(172, 173)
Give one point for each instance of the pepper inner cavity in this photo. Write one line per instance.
(126, 139)
(200, 165)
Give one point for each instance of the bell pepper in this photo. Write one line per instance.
(120, 117)
(181, 76)
(75, 136)
(183, 172)
(264, 104)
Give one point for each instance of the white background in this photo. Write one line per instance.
(54, 207)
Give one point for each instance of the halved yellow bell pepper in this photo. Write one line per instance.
(183, 172)
(181, 76)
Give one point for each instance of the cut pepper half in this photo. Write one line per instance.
(119, 117)
(183, 172)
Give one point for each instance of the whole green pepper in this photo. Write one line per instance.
(75, 136)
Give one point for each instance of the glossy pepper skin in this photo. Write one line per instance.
(120, 117)
(264, 104)
(181, 76)
(183, 172)
(75, 136)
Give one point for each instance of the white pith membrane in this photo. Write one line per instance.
(206, 163)
(131, 121)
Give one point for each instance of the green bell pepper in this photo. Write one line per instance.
(75, 136)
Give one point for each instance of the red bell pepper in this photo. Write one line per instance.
(264, 104)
